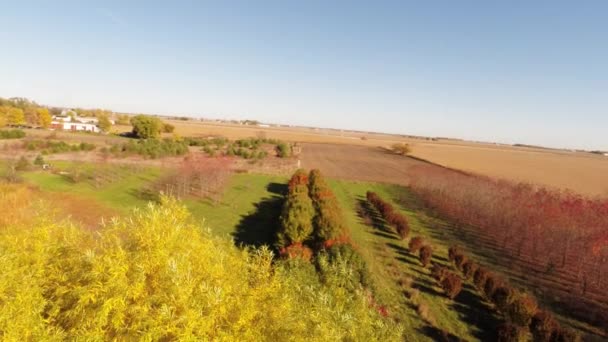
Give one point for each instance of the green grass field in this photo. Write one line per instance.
(248, 211)
(119, 195)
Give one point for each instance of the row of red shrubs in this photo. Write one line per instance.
(312, 218)
(519, 308)
(389, 214)
(450, 282)
(313, 222)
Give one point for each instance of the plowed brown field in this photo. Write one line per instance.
(357, 162)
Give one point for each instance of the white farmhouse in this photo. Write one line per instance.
(75, 126)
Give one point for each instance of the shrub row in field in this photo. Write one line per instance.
(250, 148)
(519, 308)
(12, 134)
(149, 148)
(312, 228)
(450, 282)
(329, 219)
(389, 214)
(49, 147)
(311, 213)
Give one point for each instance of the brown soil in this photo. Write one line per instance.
(357, 162)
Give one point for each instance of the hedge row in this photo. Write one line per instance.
(49, 147)
(297, 214)
(390, 215)
(249, 148)
(312, 227)
(520, 309)
(150, 148)
(311, 213)
(329, 220)
(12, 134)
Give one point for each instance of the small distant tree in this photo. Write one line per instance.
(39, 161)
(44, 118)
(146, 127)
(502, 298)
(425, 255)
(508, 332)
(401, 148)
(22, 164)
(490, 286)
(542, 326)
(104, 123)
(469, 268)
(459, 260)
(415, 244)
(283, 150)
(521, 309)
(168, 128)
(439, 272)
(480, 277)
(451, 284)
(453, 251)
(15, 116)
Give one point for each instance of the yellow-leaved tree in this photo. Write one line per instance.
(158, 276)
(44, 117)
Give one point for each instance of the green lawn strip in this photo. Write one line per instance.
(120, 195)
(238, 202)
(389, 261)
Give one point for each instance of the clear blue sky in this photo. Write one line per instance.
(511, 71)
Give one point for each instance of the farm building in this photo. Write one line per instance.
(75, 126)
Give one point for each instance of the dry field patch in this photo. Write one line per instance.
(351, 162)
(581, 172)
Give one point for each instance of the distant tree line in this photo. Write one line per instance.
(19, 111)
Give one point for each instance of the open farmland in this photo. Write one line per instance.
(581, 172)
(577, 171)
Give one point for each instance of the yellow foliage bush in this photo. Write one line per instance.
(157, 276)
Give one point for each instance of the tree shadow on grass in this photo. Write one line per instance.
(260, 227)
(475, 312)
(277, 188)
(425, 286)
(372, 218)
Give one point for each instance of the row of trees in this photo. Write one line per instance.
(313, 230)
(450, 282)
(12, 134)
(389, 214)
(149, 148)
(50, 147)
(30, 116)
(520, 309)
(311, 213)
(554, 237)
